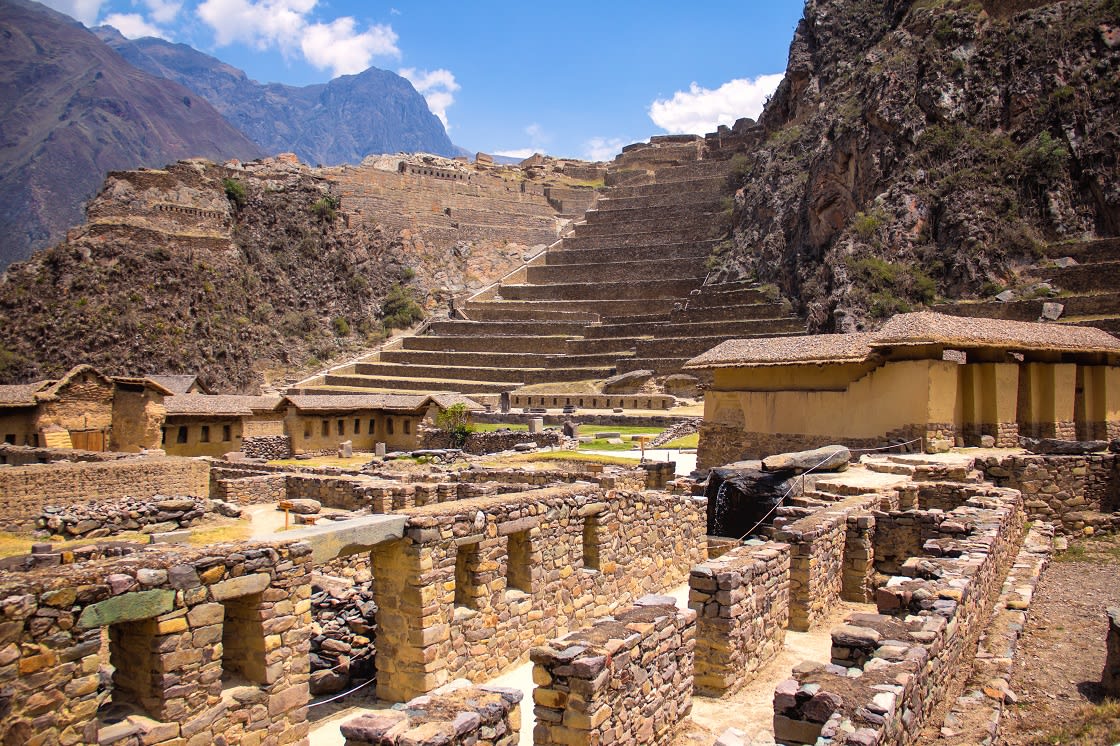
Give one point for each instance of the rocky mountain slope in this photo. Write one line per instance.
(71, 110)
(230, 273)
(925, 148)
(342, 121)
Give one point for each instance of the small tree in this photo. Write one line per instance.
(235, 192)
(455, 421)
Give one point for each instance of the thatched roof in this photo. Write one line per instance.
(764, 351)
(324, 403)
(221, 405)
(178, 384)
(924, 328)
(21, 394)
(964, 332)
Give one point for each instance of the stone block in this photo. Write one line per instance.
(245, 585)
(128, 607)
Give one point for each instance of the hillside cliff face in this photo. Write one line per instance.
(342, 121)
(199, 268)
(925, 148)
(70, 111)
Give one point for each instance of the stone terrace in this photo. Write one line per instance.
(624, 290)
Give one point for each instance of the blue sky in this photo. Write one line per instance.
(578, 78)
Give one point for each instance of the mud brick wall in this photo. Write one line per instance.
(201, 645)
(628, 479)
(817, 550)
(626, 680)
(474, 584)
(457, 714)
(929, 619)
(742, 604)
(28, 489)
(1069, 490)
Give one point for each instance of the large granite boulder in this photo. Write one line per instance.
(1056, 447)
(826, 458)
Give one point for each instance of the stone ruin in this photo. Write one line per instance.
(435, 578)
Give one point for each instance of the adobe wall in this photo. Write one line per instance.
(28, 489)
(18, 455)
(137, 419)
(315, 433)
(590, 401)
(742, 604)
(188, 436)
(474, 584)
(1071, 491)
(491, 442)
(626, 680)
(173, 646)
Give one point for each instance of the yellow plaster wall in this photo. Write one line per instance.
(194, 445)
(894, 395)
(306, 431)
(988, 393)
(21, 426)
(1046, 392)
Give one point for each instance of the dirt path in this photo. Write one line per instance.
(1061, 654)
(751, 709)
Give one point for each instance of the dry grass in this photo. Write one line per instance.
(239, 531)
(562, 457)
(1097, 725)
(687, 441)
(14, 544)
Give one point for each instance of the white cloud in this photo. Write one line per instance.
(602, 148)
(700, 110)
(537, 135)
(436, 86)
(83, 10)
(285, 25)
(520, 153)
(340, 47)
(133, 25)
(262, 24)
(163, 11)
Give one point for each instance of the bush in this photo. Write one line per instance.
(400, 310)
(866, 225)
(888, 288)
(341, 326)
(325, 208)
(235, 192)
(455, 421)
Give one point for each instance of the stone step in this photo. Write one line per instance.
(690, 347)
(1084, 278)
(690, 314)
(704, 184)
(690, 251)
(623, 242)
(465, 358)
(633, 215)
(638, 288)
(456, 328)
(691, 171)
(617, 346)
(730, 294)
(544, 274)
(700, 227)
(742, 327)
(662, 366)
(1085, 304)
(702, 192)
(422, 385)
(1110, 324)
(498, 374)
(514, 311)
(595, 307)
(1086, 252)
(533, 344)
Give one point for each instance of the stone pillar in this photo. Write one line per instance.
(413, 634)
(1046, 400)
(1097, 410)
(1110, 681)
(859, 560)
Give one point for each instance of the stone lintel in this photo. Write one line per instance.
(342, 538)
(127, 607)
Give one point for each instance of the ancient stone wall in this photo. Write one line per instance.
(590, 401)
(929, 618)
(817, 551)
(16, 455)
(28, 489)
(725, 444)
(268, 447)
(1110, 678)
(742, 606)
(490, 442)
(626, 680)
(457, 714)
(97, 519)
(475, 583)
(1073, 491)
(175, 646)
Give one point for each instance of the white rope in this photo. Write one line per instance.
(367, 682)
(886, 448)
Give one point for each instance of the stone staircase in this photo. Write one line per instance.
(623, 291)
(1086, 276)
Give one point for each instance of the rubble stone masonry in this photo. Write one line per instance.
(742, 606)
(474, 584)
(28, 489)
(1070, 491)
(175, 646)
(625, 680)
